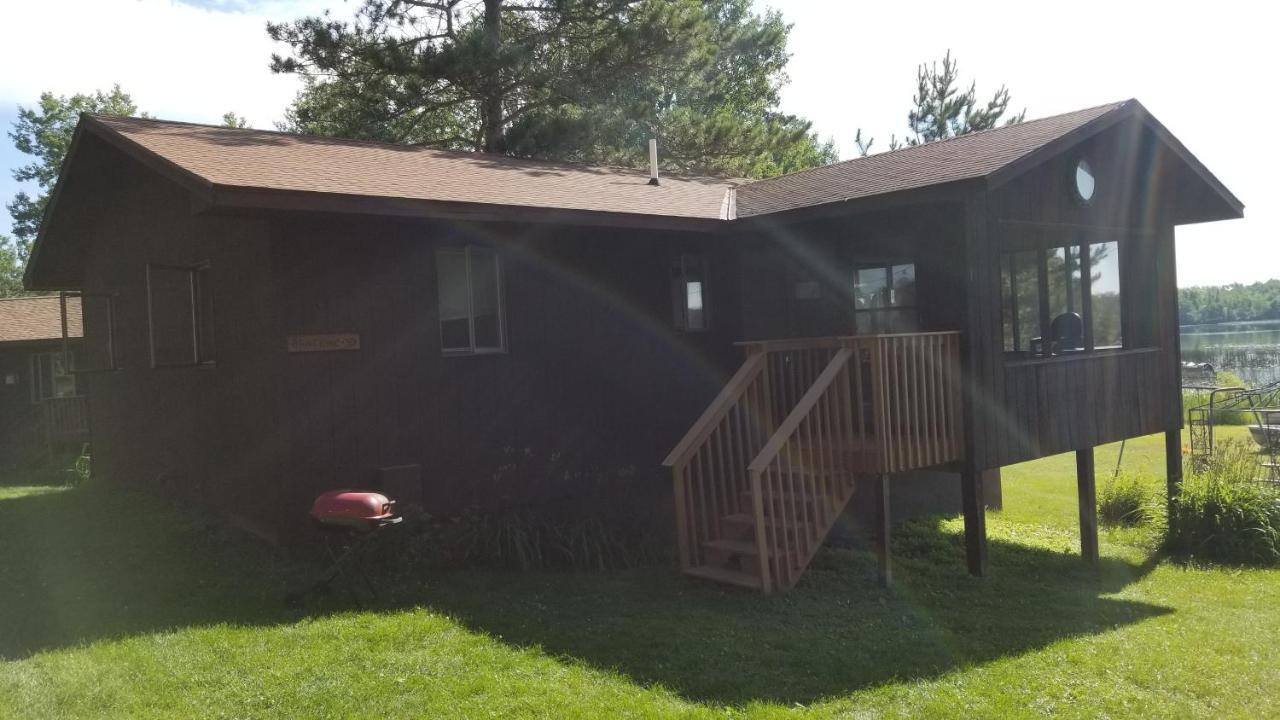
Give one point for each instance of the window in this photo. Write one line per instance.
(180, 315)
(51, 376)
(1104, 295)
(1051, 306)
(1085, 182)
(689, 293)
(885, 299)
(470, 293)
(98, 319)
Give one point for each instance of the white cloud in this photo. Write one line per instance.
(177, 60)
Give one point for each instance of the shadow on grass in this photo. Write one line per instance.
(83, 565)
(836, 633)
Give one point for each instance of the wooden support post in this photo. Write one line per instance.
(883, 529)
(1088, 496)
(1173, 464)
(975, 520)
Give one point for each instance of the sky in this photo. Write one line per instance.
(1204, 73)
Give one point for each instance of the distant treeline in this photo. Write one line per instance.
(1229, 303)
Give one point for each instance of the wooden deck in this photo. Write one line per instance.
(767, 469)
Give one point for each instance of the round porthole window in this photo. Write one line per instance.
(1085, 183)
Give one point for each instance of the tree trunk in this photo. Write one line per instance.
(491, 102)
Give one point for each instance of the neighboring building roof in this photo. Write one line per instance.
(240, 158)
(31, 319)
(967, 157)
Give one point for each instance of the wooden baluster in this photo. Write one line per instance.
(763, 550)
(722, 478)
(808, 458)
(682, 517)
(930, 415)
(741, 456)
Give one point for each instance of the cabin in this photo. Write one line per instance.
(268, 316)
(42, 403)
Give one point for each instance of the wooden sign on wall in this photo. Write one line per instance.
(329, 342)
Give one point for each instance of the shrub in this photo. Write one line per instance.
(1125, 500)
(536, 512)
(1224, 513)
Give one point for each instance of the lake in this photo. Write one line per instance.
(1251, 350)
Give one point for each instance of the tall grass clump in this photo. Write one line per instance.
(1125, 500)
(1224, 513)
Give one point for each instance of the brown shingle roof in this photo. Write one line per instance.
(963, 158)
(37, 318)
(281, 161)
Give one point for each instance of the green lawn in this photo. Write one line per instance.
(182, 617)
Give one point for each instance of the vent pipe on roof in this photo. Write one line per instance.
(653, 161)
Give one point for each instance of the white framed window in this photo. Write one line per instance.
(689, 295)
(180, 315)
(469, 284)
(51, 376)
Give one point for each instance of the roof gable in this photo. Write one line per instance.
(968, 157)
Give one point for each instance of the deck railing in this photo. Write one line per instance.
(65, 416)
(780, 446)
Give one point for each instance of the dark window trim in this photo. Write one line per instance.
(197, 313)
(680, 291)
(1083, 243)
(112, 360)
(888, 268)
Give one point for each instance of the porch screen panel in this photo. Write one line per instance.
(1104, 292)
(455, 308)
(1021, 300)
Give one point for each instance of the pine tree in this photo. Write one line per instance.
(583, 80)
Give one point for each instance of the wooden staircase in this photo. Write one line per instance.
(768, 469)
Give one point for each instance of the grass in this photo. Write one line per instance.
(179, 616)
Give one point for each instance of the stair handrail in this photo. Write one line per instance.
(677, 462)
(768, 455)
(729, 395)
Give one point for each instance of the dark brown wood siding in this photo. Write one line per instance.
(1040, 407)
(200, 432)
(595, 372)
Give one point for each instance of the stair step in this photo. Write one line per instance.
(749, 521)
(737, 547)
(732, 577)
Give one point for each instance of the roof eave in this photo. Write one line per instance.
(247, 198)
(941, 192)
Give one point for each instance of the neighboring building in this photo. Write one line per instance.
(41, 403)
(272, 315)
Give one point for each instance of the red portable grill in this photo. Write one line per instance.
(347, 519)
(354, 510)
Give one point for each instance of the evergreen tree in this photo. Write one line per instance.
(940, 110)
(580, 80)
